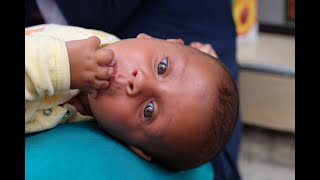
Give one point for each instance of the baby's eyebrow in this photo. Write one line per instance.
(183, 67)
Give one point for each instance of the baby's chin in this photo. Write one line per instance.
(98, 95)
(92, 100)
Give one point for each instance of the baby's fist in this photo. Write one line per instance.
(89, 69)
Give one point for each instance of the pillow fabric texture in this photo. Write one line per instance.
(80, 151)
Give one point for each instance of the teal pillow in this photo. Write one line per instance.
(79, 151)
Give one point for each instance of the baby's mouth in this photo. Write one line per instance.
(111, 79)
(114, 65)
(113, 62)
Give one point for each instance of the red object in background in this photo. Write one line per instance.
(244, 15)
(291, 10)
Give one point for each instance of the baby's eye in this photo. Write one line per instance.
(162, 66)
(148, 111)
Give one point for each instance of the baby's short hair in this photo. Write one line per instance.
(218, 130)
(225, 114)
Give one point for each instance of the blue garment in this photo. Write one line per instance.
(207, 21)
(80, 151)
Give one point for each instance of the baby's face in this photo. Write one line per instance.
(159, 90)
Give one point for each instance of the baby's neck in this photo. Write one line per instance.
(81, 103)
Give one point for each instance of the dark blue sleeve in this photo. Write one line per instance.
(107, 15)
(207, 21)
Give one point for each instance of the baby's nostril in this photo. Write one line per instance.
(131, 86)
(134, 73)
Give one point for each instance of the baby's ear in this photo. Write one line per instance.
(178, 41)
(140, 153)
(143, 35)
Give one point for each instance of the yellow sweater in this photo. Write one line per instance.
(47, 75)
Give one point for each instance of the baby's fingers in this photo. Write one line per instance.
(104, 73)
(93, 42)
(100, 84)
(104, 56)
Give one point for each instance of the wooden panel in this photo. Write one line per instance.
(267, 100)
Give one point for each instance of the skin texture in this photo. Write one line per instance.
(174, 95)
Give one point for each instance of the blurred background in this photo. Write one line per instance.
(266, 57)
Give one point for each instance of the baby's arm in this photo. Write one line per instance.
(54, 65)
(46, 66)
(89, 70)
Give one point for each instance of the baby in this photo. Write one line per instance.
(169, 103)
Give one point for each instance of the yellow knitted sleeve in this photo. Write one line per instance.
(46, 66)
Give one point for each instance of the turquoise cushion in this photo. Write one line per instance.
(81, 151)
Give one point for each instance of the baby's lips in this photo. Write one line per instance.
(112, 69)
(112, 63)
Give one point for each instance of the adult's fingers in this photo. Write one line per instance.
(143, 35)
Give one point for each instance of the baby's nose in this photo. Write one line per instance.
(136, 82)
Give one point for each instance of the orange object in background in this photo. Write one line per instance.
(245, 15)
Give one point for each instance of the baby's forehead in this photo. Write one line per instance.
(188, 125)
(183, 110)
(192, 98)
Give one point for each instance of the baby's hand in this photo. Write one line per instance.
(206, 48)
(89, 69)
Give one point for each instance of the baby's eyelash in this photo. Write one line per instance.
(148, 111)
(162, 66)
